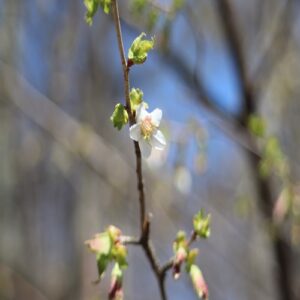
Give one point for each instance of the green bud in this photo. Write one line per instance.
(136, 98)
(119, 117)
(139, 49)
(202, 224)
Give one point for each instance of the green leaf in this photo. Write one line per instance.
(102, 263)
(91, 9)
(119, 117)
(101, 244)
(198, 281)
(136, 98)
(256, 126)
(139, 49)
(202, 224)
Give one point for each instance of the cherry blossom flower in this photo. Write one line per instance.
(146, 131)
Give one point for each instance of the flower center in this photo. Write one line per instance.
(147, 127)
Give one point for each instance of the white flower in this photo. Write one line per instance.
(146, 132)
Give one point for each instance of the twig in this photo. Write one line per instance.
(144, 241)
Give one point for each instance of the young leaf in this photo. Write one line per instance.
(202, 224)
(139, 49)
(102, 263)
(119, 116)
(198, 281)
(101, 244)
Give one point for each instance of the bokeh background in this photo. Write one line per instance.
(226, 75)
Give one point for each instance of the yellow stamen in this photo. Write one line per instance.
(147, 127)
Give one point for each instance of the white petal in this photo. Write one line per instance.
(158, 140)
(141, 113)
(135, 132)
(156, 116)
(145, 148)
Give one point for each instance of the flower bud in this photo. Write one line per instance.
(180, 257)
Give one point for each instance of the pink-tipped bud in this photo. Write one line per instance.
(199, 282)
(180, 257)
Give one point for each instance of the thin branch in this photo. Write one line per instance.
(116, 17)
(138, 155)
(144, 220)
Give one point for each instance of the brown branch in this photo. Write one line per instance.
(282, 250)
(139, 173)
(235, 46)
(144, 241)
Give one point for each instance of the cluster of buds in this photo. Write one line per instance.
(184, 255)
(108, 247)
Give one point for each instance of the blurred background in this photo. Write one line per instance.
(226, 75)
